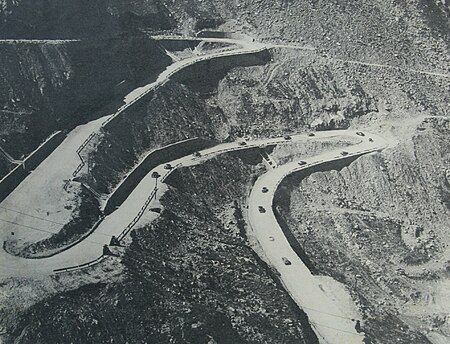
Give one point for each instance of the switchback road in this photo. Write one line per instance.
(326, 302)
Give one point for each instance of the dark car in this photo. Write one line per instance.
(301, 162)
(264, 189)
(370, 139)
(261, 209)
(168, 166)
(242, 143)
(344, 153)
(360, 133)
(286, 261)
(311, 134)
(287, 137)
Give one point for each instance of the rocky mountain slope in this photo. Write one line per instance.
(68, 19)
(400, 32)
(50, 86)
(380, 225)
(190, 277)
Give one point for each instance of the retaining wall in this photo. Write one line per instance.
(44, 150)
(216, 34)
(18, 174)
(201, 71)
(153, 159)
(178, 44)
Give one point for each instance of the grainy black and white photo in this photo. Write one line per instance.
(225, 171)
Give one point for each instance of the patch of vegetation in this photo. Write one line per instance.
(188, 278)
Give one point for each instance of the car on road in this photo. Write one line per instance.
(311, 134)
(197, 154)
(286, 261)
(242, 143)
(264, 189)
(360, 133)
(271, 238)
(302, 162)
(287, 137)
(370, 139)
(344, 153)
(168, 166)
(261, 209)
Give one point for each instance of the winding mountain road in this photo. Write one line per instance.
(44, 194)
(92, 247)
(327, 303)
(329, 308)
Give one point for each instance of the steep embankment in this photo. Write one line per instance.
(380, 225)
(51, 86)
(175, 111)
(5, 166)
(172, 114)
(190, 276)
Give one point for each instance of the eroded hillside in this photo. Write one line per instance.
(190, 276)
(380, 226)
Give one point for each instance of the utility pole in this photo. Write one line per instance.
(156, 175)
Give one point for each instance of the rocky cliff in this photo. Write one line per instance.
(68, 19)
(399, 32)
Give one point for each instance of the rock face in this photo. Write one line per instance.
(44, 87)
(68, 19)
(382, 224)
(190, 277)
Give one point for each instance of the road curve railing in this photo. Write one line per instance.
(124, 233)
(81, 266)
(145, 206)
(152, 195)
(79, 150)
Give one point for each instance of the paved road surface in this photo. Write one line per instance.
(91, 248)
(42, 194)
(325, 302)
